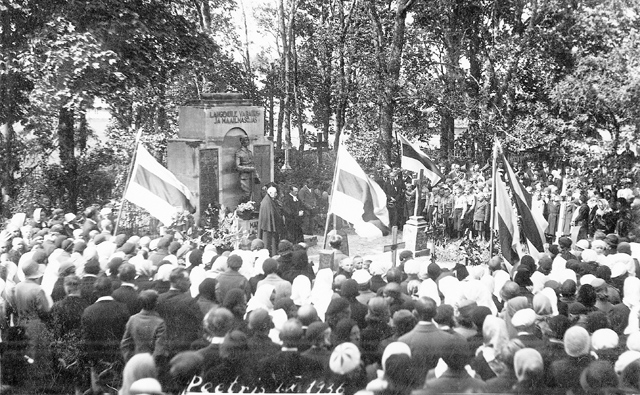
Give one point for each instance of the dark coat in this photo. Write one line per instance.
(66, 315)
(86, 289)
(143, 333)
(103, 325)
(129, 296)
(183, 319)
(428, 344)
(270, 224)
(287, 368)
(292, 220)
(452, 382)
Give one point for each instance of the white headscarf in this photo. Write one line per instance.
(430, 289)
(476, 291)
(301, 290)
(262, 298)
(322, 291)
(553, 298)
(451, 290)
(196, 277)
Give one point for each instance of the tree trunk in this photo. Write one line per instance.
(280, 122)
(296, 93)
(389, 72)
(66, 142)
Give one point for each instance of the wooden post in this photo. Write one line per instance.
(393, 247)
(418, 193)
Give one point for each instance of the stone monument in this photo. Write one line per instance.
(204, 155)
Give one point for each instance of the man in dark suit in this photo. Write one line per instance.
(456, 379)
(180, 312)
(426, 341)
(102, 325)
(260, 345)
(127, 292)
(91, 271)
(287, 368)
(293, 211)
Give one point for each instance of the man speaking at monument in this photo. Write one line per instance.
(270, 224)
(246, 168)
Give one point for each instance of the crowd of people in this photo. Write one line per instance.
(85, 310)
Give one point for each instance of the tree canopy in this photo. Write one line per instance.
(545, 76)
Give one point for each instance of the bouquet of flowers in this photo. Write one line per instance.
(246, 210)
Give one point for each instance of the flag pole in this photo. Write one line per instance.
(494, 173)
(133, 162)
(333, 191)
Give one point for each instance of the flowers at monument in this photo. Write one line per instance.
(246, 207)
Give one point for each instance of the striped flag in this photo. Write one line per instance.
(507, 222)
(414, 159)
(533, 223)
(156, 189)
(358, 199)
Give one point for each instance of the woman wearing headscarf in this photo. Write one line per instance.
(476, 291)
(506, 379)
(207, 295)
(451, 290)
(543, 310)
(604, 218)
(263, 299)
(495, 336)
(513, 305)
(301, 290)
(529, 369)
(322, 291)
(553, 299)
(140, 366)
(236, 301)
(631, 299)
(380, 382)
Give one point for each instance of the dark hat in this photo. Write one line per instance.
(349, 289)
(120, 240)
(577, 308)
(99, 239)
(128, 248)
(624, 248)
(559, 325)
(33, 269)
(568, 288)
(553, 285)
(528, 262)
(337, 305)
(269, 266)
(39, 256)
(523, 277)
(186, 364)
(434, 270)
(92, 266)
(564, 242)
(114, 265)
(174, 246)
(466, 308)
(195, 258)
(234, 261)
(284, 247)
(316, 330)
(612, 241)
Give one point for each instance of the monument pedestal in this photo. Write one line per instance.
(414, 236)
